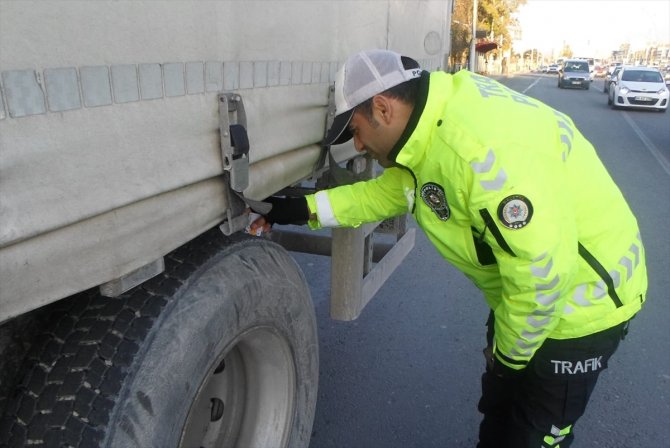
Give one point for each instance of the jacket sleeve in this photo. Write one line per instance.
(388, 195)
(529, 224)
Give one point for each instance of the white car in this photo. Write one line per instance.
(639, 87)
(553, 68)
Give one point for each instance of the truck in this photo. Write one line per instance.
(134, 138)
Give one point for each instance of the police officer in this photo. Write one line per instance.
(512, 194)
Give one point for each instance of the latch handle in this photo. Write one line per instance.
(234, 140)
(239, 140)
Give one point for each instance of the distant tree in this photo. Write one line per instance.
(461, 31)
(566, 52)
(531, 54)
(493, 16)
(496, 17)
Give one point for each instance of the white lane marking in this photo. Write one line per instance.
(530, 86)
(665, 164)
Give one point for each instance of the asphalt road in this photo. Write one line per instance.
(406, 373)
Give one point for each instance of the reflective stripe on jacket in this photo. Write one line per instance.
(512, 194)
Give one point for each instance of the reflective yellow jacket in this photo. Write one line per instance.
(512, 194)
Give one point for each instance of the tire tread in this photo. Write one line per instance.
(73, 374)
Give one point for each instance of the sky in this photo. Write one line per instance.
(592, 28)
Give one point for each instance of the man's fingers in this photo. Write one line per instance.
(257, 225)
(260, 222)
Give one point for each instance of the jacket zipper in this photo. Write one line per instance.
(602, 272)
(491, 225)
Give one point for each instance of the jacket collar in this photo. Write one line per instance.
(434, 92)
(415, 116)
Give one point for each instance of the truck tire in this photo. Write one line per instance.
(219, 350)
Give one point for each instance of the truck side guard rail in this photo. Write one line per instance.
(359, 267)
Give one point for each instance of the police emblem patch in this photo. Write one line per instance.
(515, 211)
(433, 195)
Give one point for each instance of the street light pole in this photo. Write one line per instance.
(473, 41)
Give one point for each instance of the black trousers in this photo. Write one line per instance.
(539, 407)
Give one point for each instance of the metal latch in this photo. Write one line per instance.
(235, 156)
(234, 140)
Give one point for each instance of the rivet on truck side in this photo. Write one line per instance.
(133, 310)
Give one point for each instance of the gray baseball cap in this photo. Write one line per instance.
(363, 76)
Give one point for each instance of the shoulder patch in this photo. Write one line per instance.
(434, 197)
(515, 211)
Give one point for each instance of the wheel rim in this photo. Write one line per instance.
(247, 397)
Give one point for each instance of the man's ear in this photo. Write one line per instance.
(383, 106)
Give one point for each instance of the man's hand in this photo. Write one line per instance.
(257, 224)
(285, 210)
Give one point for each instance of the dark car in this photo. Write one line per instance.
(574, 73)
(610, 78)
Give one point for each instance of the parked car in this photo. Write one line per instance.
(574, 73)
(553, 68)
(639, 87)
(610, 78)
